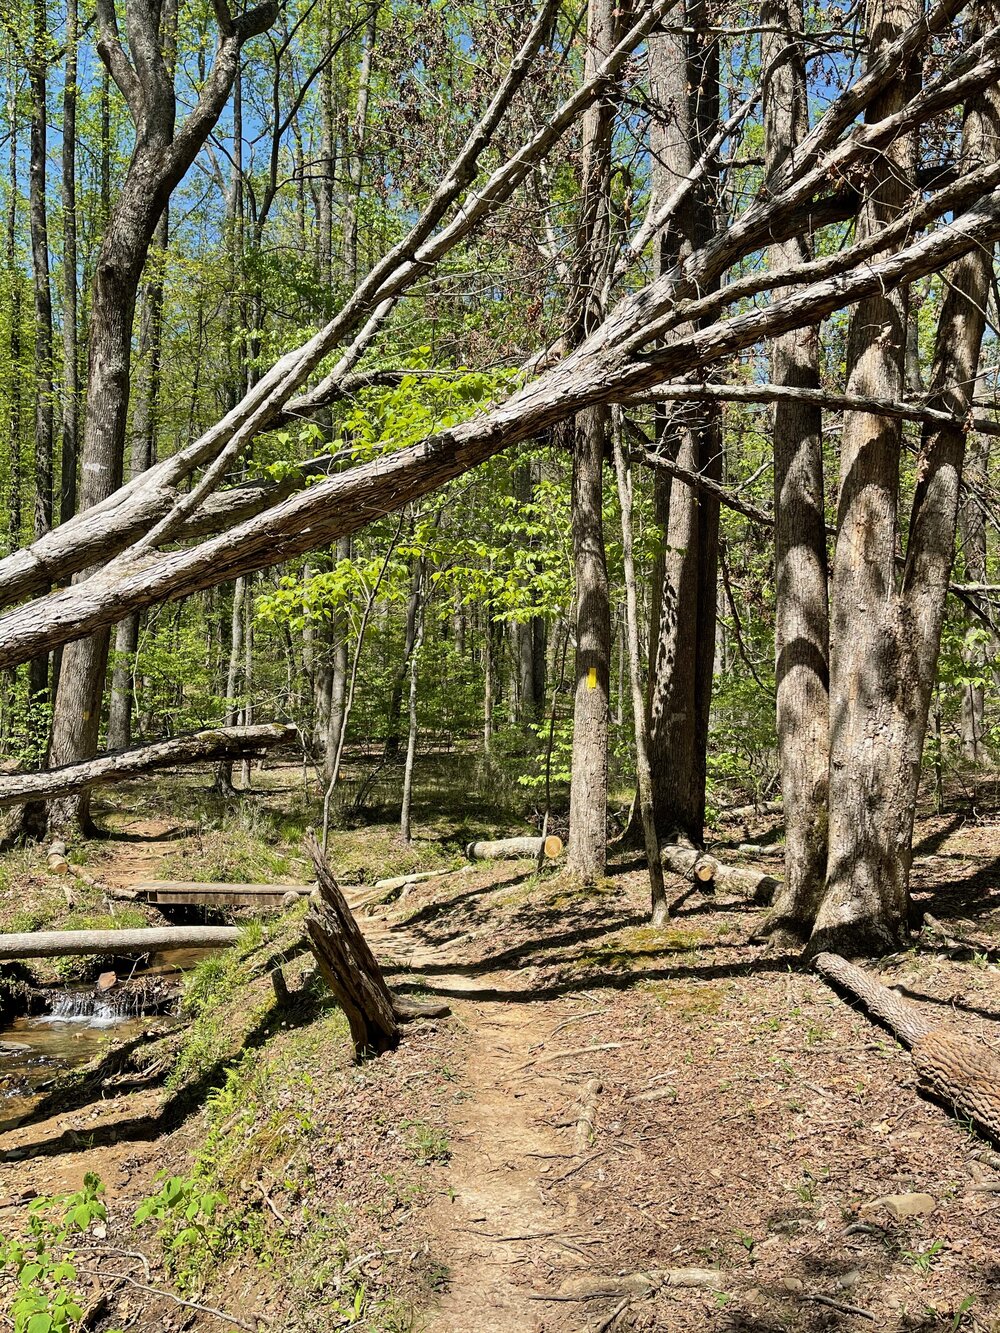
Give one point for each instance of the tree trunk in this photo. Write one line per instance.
(159, 162)
(355, 152)
(224, 774)
(348, 965)
(151, 939)
(865, 905)
(588, 835)
(33, 818)
(960, 1072)
(644, 779)
(71, 378)
(144, 451)
(14, 330)
(489, 680)
(588, 810)
(396, 696)
(514, 849)
(411, 738)
(248, 642)
(338, 675)
(976, 654)
(885, 643)
(685, 78)
(802, 669)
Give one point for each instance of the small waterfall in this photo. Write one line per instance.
(92, 1008)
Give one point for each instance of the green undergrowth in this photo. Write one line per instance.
(249, 1197)
(636, 948)
(229, 998)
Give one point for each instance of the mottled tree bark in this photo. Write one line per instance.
(14, 330)
(144, 428)
(886, 637)
(802, 670)
(588, 836)
(71, 377)
(976, 654)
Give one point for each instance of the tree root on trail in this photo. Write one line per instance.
(958, 1071)
(631, 1285)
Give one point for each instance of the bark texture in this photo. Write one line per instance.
(348, 966)
(588, 817)
(802, 666)
(685, 87)
(161, 155)
(152, 939)
(117, 767)
(957, 1070)
(886, 636)
(514, 849)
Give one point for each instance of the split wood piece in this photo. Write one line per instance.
(384, 890)
(515, 849)
(701, 868)
(957, 1070)
(217, 743)
(588, 1112)
(351, 970)
(149, 939)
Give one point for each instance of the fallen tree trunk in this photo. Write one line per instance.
(750, 811)
(701, 868)
(611, 365)
(958, 1071)
(216, 743)
(515, 849)
(351, 970)
(147, 939)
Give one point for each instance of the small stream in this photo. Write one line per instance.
(80, 1021)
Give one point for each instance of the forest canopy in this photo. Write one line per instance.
(604, 391)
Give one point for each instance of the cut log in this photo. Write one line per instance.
(751, 811)
(351, 970)
(515, 849)
(701, 868)
(217, 743)
(958, 1071)
(149, 939)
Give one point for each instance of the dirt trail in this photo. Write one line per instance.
(137, 849)
(502, 1238)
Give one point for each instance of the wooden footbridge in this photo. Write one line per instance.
(191, 893)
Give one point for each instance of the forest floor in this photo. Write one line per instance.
(746, 1123)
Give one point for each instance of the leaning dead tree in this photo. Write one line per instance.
(956, 1070)
(213, 743)
(630, 354)
(351, 970)
(707, 306)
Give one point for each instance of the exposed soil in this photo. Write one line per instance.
(748, 1124)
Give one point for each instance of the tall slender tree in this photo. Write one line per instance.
(801, 631)
(161, 155)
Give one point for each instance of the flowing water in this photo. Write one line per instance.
(80, 1023)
